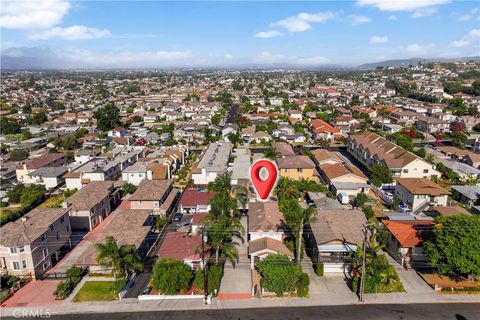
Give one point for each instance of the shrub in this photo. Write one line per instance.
(302, 285)
(118, 285)
(278, 273)
(171, 276)
(215, 274)
(368, 211)
(74, 274)
(319, 269)
(64, 289)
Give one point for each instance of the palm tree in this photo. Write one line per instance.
(271, 153)
(120, 259)
(221, 232)
(296, 218)
(286, 189)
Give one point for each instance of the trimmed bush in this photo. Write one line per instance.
(319, 269)
(302, 285)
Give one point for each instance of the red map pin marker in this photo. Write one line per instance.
(263, 187)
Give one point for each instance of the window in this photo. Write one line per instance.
(62, 219)
(21, 249)
(46, 265)
(286, 170)
(422, 196)
(45, 252)
(425, 170)
(24, 264)
(405, 170)
(13, 250)
(299, 170)
(16, 265)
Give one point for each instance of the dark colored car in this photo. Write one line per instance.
(177, 217)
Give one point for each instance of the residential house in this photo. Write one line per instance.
(186, 248)
(46, 160)
(344, 178)
(32, 244)
(193, 201)
(405, 243)
(92, 204)
(333, 236)
(468, 195)
(50, 177)
(432, 125)
(151, 195)
(473, 159)
(284, 149)
(420, 193)
(297, 167)
(322, 156)
(117, 132)
(266, 231)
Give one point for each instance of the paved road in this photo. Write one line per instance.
(232, 112)
(355, 312)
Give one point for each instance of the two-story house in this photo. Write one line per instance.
(297, 167)
(420, 193)
(31, 245)
(92, 204)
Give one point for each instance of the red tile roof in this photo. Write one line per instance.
(410, 233)
(193, 197)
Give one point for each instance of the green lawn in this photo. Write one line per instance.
(96, 291)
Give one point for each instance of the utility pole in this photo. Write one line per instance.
(364, 262)
(205, 276)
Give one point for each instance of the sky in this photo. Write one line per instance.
(209, 33)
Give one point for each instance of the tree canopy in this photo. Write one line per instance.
(455, 247)
(108, 117)
(171, 276)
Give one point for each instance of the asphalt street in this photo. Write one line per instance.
(454, 311)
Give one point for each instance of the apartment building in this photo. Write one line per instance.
(31, 245)
(370, 149)
(213, 163)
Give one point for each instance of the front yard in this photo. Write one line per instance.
(97, 291)
(448, 284)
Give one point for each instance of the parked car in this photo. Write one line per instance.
(183, 224)
(177, 217)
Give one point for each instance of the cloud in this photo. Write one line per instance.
(312, 60)
(392, 18)
(40, 20)
(268, 34)
(228, 56)
(28, 15)
(303, 21)
(472, 14)
(378, 40)
(416, 48)
(360, 19)
(401, 5)
(470, 38)
(423, 12)
(69, 33)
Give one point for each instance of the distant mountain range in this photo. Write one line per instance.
(43, 58)
(398, 63)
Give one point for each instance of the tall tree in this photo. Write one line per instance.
(108, 117)
(120, 259)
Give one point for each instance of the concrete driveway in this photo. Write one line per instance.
(237, 282)
(34, 294)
